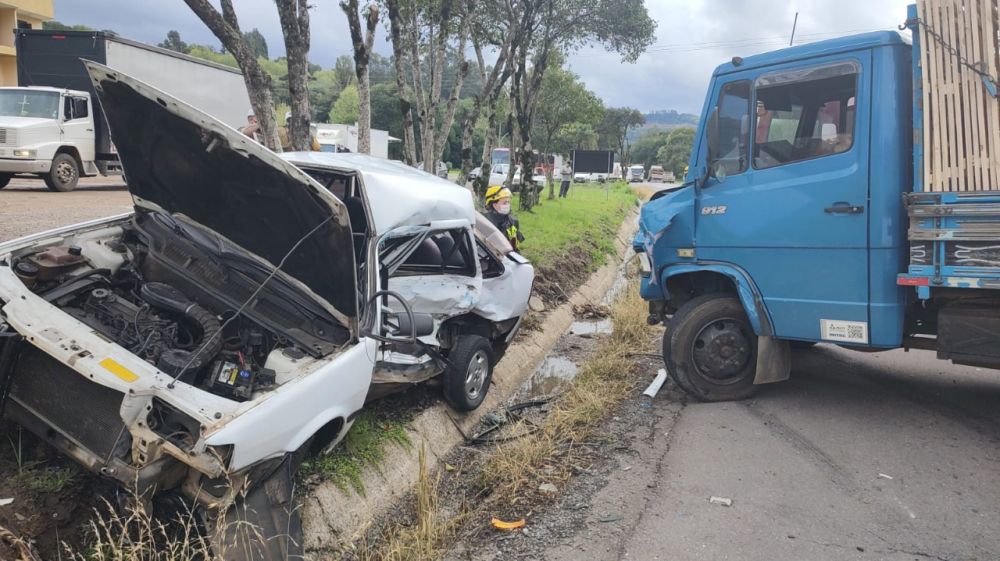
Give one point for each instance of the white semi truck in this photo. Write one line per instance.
(51, 126)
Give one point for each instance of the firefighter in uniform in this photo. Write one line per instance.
(498, 211)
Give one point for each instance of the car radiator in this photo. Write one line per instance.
(67, 402)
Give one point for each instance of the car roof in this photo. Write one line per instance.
(398, 194)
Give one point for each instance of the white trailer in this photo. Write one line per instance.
(334, 135)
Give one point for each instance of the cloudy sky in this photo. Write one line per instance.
(692, 37)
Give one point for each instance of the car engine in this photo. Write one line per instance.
(156, 321)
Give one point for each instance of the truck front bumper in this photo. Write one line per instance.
(9, 165)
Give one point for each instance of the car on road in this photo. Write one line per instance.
(657, 174)
(498, 176)
(240, 318)
(581, 177)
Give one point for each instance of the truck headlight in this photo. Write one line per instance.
(20, 153)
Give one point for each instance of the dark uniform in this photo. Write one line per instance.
(506, 224)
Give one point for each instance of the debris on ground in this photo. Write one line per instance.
(656, 384)
(884, 476)
(24, 549)
(591, 311)
(5, 502)
(507, 526)
(610, 517)
(722, 501)
(548, 488)
(536, 304)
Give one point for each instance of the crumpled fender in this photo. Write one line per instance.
(748, 294)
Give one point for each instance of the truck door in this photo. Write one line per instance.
(78, 126)
(788, 199)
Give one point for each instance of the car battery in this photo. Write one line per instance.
(230, 380)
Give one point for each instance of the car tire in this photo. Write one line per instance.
(5, 179)
(470, 369)
(63, 175)
(710, 349)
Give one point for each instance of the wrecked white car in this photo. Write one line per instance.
(243, 314)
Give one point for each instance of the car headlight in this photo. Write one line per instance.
(20, 153)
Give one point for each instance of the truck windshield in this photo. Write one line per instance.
(27, 103)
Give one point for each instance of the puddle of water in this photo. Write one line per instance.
(590, 328)
(554, 373)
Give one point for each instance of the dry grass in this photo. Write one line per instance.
(644, 191)
(509, 474)
(135, 535)
(429, 534)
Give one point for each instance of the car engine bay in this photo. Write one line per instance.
(170, 294)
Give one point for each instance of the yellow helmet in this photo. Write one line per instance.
(497, 192)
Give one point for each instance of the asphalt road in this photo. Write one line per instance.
(892, 456)
(26, 206)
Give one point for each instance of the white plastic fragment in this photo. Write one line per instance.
(722, 501)
(548, 488)
(884, 476)
(5, 502)
(654, 387)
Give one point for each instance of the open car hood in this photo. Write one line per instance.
(180, 160)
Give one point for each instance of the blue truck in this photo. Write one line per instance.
(804, 219)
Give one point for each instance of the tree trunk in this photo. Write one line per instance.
(399, 49)
(226, 29)
(294, 16)
(362, 45)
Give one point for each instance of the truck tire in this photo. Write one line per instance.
(470, 369)
(5, 179)
(63, 174)
(710, 349)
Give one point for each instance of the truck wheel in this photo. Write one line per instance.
(470, 369)
(63, 174)
(5, 179)
(710, 349)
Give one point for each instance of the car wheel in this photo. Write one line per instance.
(5, 179)
(63, 174)
(470, 369)
(710, 349)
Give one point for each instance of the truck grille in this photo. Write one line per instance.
(67, 401)
(8, 137)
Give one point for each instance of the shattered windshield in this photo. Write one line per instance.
(28, 103)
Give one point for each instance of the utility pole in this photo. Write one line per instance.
(794, 23)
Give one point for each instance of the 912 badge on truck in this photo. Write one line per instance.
(720, 209)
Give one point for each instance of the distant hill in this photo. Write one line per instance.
(664, 120)
(670, 117)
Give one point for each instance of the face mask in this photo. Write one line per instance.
(503, 207)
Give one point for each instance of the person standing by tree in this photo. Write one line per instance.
(567, 178)
(498, 212)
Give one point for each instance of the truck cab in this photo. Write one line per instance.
(47, 132)
(790, 228)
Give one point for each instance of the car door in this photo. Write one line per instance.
(435, 271)
(788, 202)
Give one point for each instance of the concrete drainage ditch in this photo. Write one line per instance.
(332, 517)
